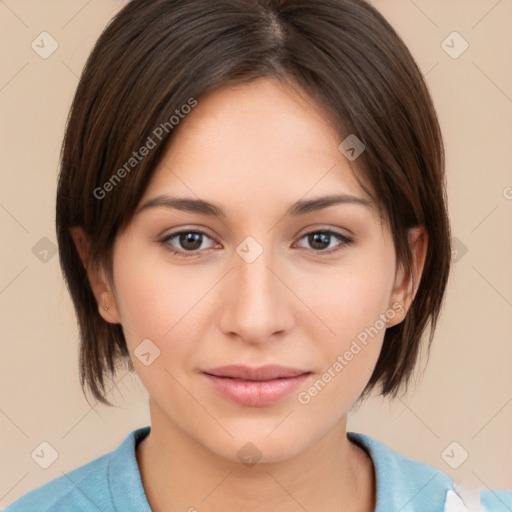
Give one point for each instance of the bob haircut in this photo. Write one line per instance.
(152, 61)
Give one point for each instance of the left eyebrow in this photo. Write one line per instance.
(302, 207)
(207, 208)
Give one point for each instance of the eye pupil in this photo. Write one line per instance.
(186, 238)
(321, 238)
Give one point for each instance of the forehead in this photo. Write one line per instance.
(246, 142)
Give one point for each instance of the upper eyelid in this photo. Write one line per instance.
(172, 234)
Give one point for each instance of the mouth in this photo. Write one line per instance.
(262, 373)
(255, 387)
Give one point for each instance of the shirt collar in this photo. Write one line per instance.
(402, 483)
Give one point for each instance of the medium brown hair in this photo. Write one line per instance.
(155, 56)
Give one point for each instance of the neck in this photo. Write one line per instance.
(180, 474)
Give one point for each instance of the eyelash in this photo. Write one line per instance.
(345, 241)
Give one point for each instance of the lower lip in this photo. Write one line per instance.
(255, 393)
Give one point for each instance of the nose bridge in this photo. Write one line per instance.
(256, 282)
(257, 303)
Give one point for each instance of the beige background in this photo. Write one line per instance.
(466, 390)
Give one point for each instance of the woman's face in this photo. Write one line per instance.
(262, 285)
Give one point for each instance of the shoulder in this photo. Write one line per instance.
(81, 488)
(409, 485)
(91, 487)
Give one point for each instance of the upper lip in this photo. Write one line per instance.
(267, 372)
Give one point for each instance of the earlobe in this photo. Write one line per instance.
(107, 305)
(407, 284)
(107, 308)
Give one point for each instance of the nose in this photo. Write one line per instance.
(257, 305)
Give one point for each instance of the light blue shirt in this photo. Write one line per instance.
(112, 483)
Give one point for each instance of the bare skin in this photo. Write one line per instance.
(254, 150)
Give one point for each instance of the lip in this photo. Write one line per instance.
(255, 387)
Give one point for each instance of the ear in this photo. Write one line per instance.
(405, 286)
(100, 285)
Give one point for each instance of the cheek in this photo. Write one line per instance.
(352, 304)
(159, 302)
(350, 297)
(350, 354)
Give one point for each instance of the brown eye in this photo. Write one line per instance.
(188, 242)
(321, 240)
